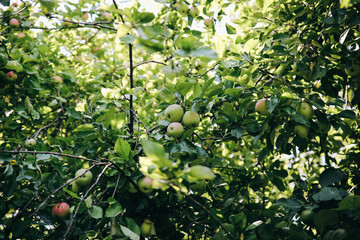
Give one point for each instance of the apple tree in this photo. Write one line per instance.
(165, 119)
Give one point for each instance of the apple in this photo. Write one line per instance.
(306, 110)
(175, 129)
(132, 188)
(57, 79)
(145, 184)
(183, 9)
(11, 76)
(107, 16)
(61, 210)
(301, 131)
(194, 12)
(21, 35)
(353, 71)
(174, 113)
(260, 107)
(199, 172)
(75, 187)
(191, 119)
(208, 22)
(30, 143)
(85, 179)
(85, 16)
(307, 216)
(146, 228)
(14, 22)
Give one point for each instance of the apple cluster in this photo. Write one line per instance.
(180, 120)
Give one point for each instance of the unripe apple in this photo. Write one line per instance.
(145, 228)
(260, 107)
(306, 110)
(61, 210)
(174, 113)
(30, 143)
(307, 216)
(11, 76)
(145, 184)
(208, 22)
(85, 179)
(75, 187)
(194, 12)
(175, 129)
(191, 119)
(14, 22)
(183, 9)
(301, 131)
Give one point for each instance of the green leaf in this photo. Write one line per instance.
(122, 148)
(114, 210)
(330, 176)
(327, 194)
(156, 153)
(325, 218)
(238, 220)
(96, 212)
(122, 30)
(347, 114)
(14, 65)
(292, 204)
(349, 202)
(230, 29)
(145, 17)
(128, 233)
(85, 128)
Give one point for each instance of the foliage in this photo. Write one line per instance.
(93, 82)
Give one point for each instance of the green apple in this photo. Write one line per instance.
(11, 76)
(194, 12)
(86, 177)
(182, 9)
(30, 143)
(14, 22)
(191, 119)
(145, 184)
(323, 126)
(307, 216)
(208, 22)
(199, 172)
(147, 228)
(175, 130)
(301, 131)
(75, 187)
(61, 210)
(353, 71)
(174, 113)
(260, 107)
(306, 110)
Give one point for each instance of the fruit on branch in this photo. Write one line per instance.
(57, 79)
(175, 129)
(183, 9)
(306, 110)
(11, 76)
(14, 22)
(21, 35)
(191, 119)
(85, 16)
(194, 12)
(30, 143)
(107, 16)
(307, 216)
(208, 22)
(145, 184)
(301, 131)
(260, 107)
(147, 228)
(353, 71)
(199, 172)
(85, 179)
(61, 210)
(174, 113)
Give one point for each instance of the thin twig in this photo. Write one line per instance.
(16, 13)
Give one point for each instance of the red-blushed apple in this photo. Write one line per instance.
(145, 184)
(301, 131)
(30, 143)
(11, 76)
(208, 22)
(174, 113)
(14, 22)
(61, 210)
(306, 110)
(57, 79)
(107, 16)
(194, 12)
(86, 177)
(175, 129)
(21, 35)
(85, 16)
(191, 119)
(260, 107)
